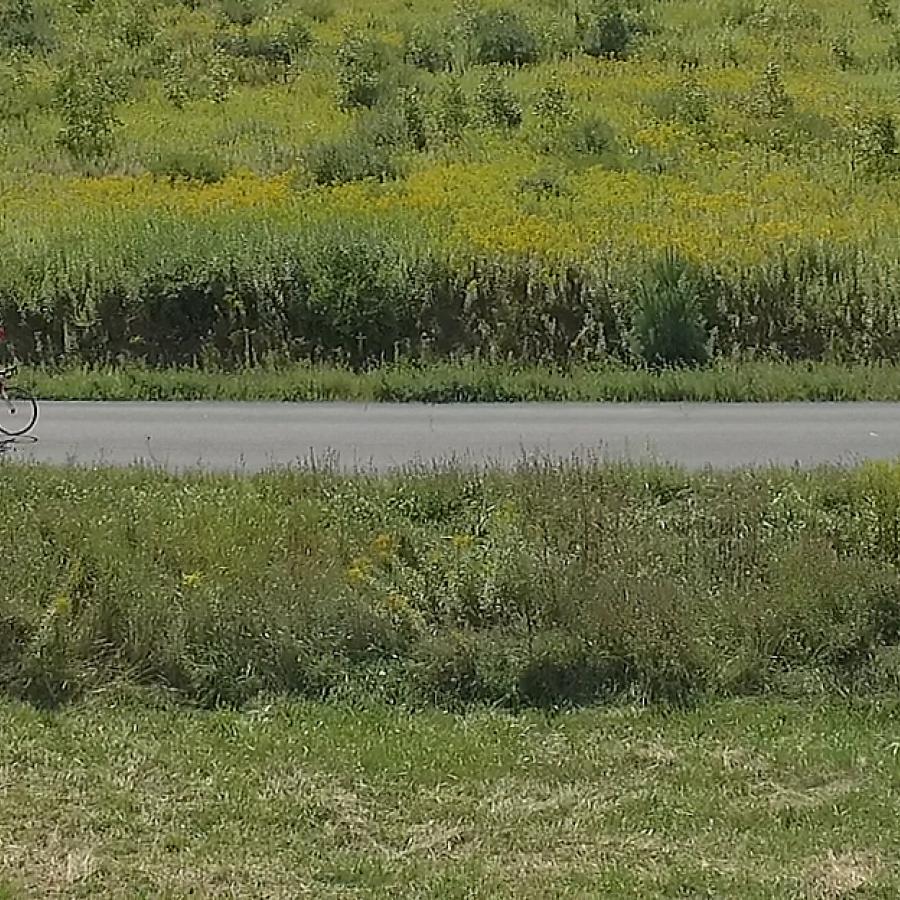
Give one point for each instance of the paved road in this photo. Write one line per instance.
(253, 436)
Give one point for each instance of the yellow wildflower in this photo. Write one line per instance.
(62, 606)
(507, 514)
(358, 571)
(191, 580)
(384, 545)
(396, 602)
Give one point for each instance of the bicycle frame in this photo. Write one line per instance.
(9, 403)
(5, 375)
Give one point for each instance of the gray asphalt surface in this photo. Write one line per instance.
(252, 436)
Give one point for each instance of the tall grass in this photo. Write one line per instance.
(369, 291)
(542, 587)
(473, 382)
(228, 183)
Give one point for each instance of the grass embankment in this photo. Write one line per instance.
(738, 799)
(134, 597)
(535, 588)
(475, 382)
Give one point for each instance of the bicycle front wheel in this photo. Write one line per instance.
(18, 413)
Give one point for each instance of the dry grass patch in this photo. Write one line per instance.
(841, 875)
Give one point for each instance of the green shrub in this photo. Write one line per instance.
(362, 64)
(410, 111)
(181, 75)
(86, 100)
(187, 166)
(25, 25)
(497, 104)
(243, 12)
(500, 37)
(592, 137)
(553, 112)
(448, 113)
(881, 11)
(359, 296)
(366, 152)
(554, 103)
(670, 327)
(220, 76)
(610, 31)
(429, 48)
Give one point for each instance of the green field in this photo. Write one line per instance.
(628, 182)
(739, 799)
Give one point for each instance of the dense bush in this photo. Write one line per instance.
(429, 48)
(610, 31)
(554, 103)
(497, 104)
(282, 45)
(24, 25)
(501, 37)
(449, 110)
(366, 152)
(187, 165)
(243, 12)
(86, 100)
(362, 65)
(669, 323)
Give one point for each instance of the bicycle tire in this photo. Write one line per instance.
(24, 413)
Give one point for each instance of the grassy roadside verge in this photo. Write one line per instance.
(472, 382)
(536, 588)
(738, 799)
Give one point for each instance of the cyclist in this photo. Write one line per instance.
(8, 360)
(18, 409)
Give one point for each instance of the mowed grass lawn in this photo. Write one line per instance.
(117, 797)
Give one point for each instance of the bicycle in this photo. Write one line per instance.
(18, 409)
